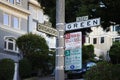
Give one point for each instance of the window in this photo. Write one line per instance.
(18, 1)
(16, 22)
(6, 19)
(117, 39)
(14, 1)
(10, 44)
(11, 1)
(116, 28)
(88, 39)
(94, 40)
(102, 40)
(113, 28)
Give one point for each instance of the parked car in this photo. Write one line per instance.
(77, 74)
(89, 65)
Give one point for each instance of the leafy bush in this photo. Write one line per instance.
(115, 52)
(116, 72)
(103, 71)
(87, 53)
(39, 63)
(24, 68)
(6, 69)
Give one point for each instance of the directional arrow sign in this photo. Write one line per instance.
(82, 24)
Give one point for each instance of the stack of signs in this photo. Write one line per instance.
(73, 51)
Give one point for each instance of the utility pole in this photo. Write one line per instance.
(60, 24)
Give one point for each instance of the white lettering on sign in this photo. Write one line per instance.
(82, 24)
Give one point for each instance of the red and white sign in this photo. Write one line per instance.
(73, 40)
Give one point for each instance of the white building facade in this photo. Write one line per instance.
(102, 40)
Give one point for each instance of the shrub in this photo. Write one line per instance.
(103, 71)
(116, 72)
(39, 64)
(24, 68)
(6, 69)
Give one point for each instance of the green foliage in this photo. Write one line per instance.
(71, 9)
(108, 13)
(76, 8)
(87, 52)
(116, 72)
(115, 52)
(86, 7)
(113, 10)
(39, 62)
(50, 9)
(6, 69)
(32, 43)
(35, 49)
(103, 71)
(99, 72)
(25, 68)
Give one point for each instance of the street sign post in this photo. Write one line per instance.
(82, 24)
(73, 41)
(73, 51)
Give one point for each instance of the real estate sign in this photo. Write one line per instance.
(73, 51)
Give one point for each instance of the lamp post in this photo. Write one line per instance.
(60, 23)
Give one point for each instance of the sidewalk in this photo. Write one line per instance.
(52, 78)
(48, 78)
(41, 78)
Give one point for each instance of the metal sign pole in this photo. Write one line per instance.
(60, 24)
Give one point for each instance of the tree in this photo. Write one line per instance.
(32, 43)
(109, 12)
(35, 49)
(87, 53)
(50, 9)
(115, 52)
(25, 68)
(71, 10)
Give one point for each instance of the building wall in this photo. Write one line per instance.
(37, 16)
(1, 17)
(101, 48)
(18, 14)
(28, 13)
